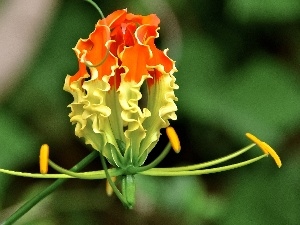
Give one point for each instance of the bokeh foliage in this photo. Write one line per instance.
(239, 67)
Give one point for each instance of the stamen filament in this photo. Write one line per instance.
(207, 164)
(156, 161)
(152, 172)
(34, 175)
(85, 175)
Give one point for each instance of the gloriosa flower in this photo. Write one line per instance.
(109, 109)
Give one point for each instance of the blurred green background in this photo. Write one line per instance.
(239, 71)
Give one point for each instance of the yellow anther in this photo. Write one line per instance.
(174, 140)
(267, 149)
(44, 156)
(273, 154)
(258, 142)
(109, 190)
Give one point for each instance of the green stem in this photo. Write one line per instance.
(112, 184)
(32, 202)
(156, 172)
(207, 164)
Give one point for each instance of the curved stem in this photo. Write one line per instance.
(107, 50)
(152, 172)
(207, 164)
(111, 183)
(36, 199)
(96, 7)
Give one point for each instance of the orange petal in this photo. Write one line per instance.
(100, 38)
(129, 29)
(83, 45)
(114, 19)
(117, 36)
(146, 34)
(134, 60)
(134, 18)
(151, 19)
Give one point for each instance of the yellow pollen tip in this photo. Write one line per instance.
(258, 142)
(109, 190)
(267, 149)
(273, 154)
(44, 157)
(174, 140)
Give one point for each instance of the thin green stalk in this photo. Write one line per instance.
(96, 7)
(154, 162)
(152, 172)
(35, 175)
(85, 175)
(36, 199)
(207, 164)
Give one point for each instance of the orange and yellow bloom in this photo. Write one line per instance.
(117, 63)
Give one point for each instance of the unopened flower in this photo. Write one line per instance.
(109, 109)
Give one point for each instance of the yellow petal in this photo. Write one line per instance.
(161, 104)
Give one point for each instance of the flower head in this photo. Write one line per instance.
(109, 109)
